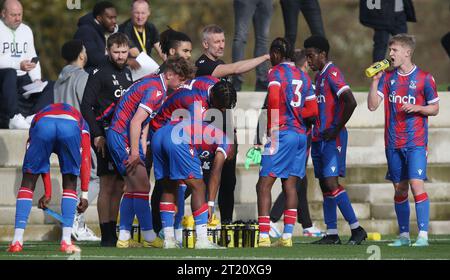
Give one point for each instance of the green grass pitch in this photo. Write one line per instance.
(439, 249)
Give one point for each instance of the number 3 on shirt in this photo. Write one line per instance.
(298, 87)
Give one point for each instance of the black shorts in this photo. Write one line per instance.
(105, 165)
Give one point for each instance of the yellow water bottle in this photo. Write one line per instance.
(230, 235)
(136, 230)
(377, 67)
(255, 234)
(212, 229)
(188, 232)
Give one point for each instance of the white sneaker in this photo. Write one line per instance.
(171, 243)
(312, 232)
(78, 221)
(274, 231)
(29, 119)
(206, 244)
(84, 234)
(18, 122)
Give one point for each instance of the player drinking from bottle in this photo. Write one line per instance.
(410, 96)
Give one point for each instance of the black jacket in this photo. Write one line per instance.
(152, 35)
(103, 90)
(92, 35)
(384, 18)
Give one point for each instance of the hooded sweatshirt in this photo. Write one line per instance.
(69, 87)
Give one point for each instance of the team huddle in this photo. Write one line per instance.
(170, 122)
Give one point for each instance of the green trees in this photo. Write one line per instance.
(54, 23)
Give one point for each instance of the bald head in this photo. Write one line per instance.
(12, 12)
(140, 11)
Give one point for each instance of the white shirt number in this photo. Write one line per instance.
(298, 87)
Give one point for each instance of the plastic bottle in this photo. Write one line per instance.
(136, 230)
(377, 67)
(212, 229)
(188, 232)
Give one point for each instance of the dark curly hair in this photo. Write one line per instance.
(223, 95)
(171, 39)
(283, 47)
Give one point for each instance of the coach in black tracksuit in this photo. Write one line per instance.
(105, 86)
(210, 64)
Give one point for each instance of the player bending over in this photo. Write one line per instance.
(60, 129)
(127, 139)
(192, 99)
(178, 158)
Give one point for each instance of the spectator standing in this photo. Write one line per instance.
(386, 18)
(260, 12)
(94, 30)
(143, 34)
(311, 12)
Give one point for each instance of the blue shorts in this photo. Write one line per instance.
(406, 163)
(120, 150)
(150, 136)
(285, 157)
(329, 156)
(52, 135)
(176, 161)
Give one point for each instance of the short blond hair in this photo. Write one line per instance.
(404, 40)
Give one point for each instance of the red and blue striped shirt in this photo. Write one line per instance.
(330, 84)
(192, 96)
(289, 88)
(148, 93)
(416, 87)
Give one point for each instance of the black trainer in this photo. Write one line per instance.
(332, 239)
(358, 236)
